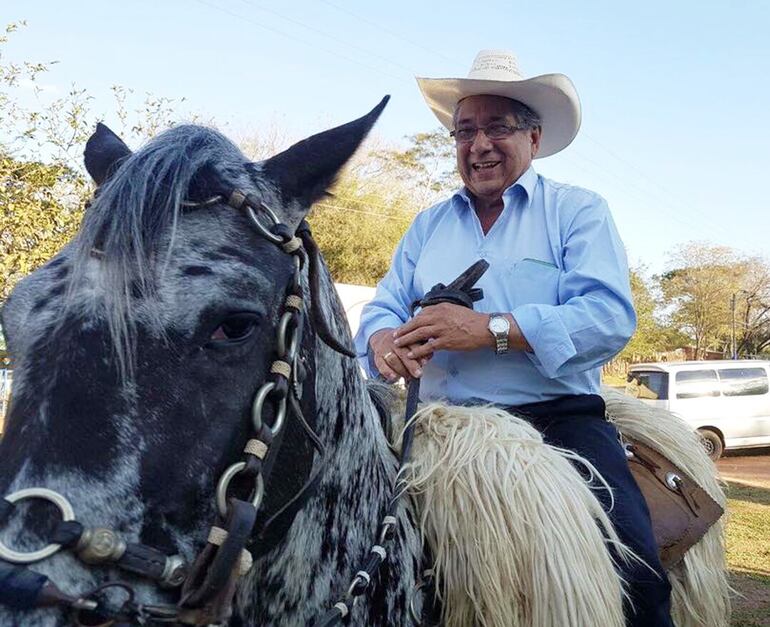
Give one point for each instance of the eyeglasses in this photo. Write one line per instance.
(492, 131)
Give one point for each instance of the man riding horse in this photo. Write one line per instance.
(557, 302)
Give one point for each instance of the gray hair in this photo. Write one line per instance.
(525, 117)
(134, 216)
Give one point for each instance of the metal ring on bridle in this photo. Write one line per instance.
(224, 483)
(256, 409)
(272, 237)
(271, 214)
(283, 326)
(259, 401)
(280, 415)
(413, 611)
(67, 513)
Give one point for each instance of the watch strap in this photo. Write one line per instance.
(501, 339)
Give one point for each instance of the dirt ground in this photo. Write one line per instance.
(750, 466)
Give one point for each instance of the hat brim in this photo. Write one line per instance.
(552, 96)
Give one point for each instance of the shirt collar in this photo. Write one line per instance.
(527, 182)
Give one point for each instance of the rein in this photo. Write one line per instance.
(208, 586)
(458, 292)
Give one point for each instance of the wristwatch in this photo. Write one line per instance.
(499, 327)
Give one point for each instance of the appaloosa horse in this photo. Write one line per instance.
(188, 442)
(146, 355)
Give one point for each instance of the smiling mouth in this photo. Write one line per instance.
(484, 165)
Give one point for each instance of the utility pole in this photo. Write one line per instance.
(732, 335)
(733, 341)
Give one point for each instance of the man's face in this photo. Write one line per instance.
(488, 166)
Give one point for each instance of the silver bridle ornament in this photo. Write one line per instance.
(67, 513)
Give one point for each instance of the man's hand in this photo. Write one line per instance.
(444, 327)
(393, 361)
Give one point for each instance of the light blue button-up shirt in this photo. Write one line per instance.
(556, 263)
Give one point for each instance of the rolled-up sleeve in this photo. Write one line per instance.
(595, 316)
(395, 293)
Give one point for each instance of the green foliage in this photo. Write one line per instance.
(426, 167)
(650, 337)
(699, 286)
(376, 199)
(40, 202)
(358, 227)
(40, 210)
(752, 310)
(42, 181)
(705, 285)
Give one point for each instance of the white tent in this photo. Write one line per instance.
(353, 298)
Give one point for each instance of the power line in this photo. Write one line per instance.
(660, 196)
(644, 191)
(655, 182)
(297, 39)
(327, 35)
(369, 213)
(389, 31)
(360, 202)
(630, 187)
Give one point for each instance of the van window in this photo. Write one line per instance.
(743, 381)
(649, 385)
(697, 383)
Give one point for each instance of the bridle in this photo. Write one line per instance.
(208, 585)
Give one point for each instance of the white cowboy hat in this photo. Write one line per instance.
(496, 73)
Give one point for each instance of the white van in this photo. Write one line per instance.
(728, 402)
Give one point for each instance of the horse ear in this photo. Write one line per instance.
(104, 152)
(306, 170)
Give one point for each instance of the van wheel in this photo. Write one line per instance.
(712, 443)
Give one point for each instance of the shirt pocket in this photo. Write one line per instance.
(534, 281)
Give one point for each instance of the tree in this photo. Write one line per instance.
(698, 288)
(360, 224)
(39, 202)
(375, 200)
(426, 166)
(651, 336)
(752, 304)
(43, 186)
(40, 210)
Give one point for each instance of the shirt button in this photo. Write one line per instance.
(453, 372)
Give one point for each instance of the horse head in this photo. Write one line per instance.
(139, 348)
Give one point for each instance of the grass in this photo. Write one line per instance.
(748, 553)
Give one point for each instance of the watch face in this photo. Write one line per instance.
(498, 325)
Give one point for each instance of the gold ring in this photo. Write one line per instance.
(386, 355)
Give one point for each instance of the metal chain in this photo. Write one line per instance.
(276, 390)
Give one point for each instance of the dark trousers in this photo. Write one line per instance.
(578, 423)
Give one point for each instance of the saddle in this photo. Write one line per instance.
(681, 511)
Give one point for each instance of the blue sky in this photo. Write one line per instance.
(675, 95)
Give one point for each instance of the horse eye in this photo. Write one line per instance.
(235, 328)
